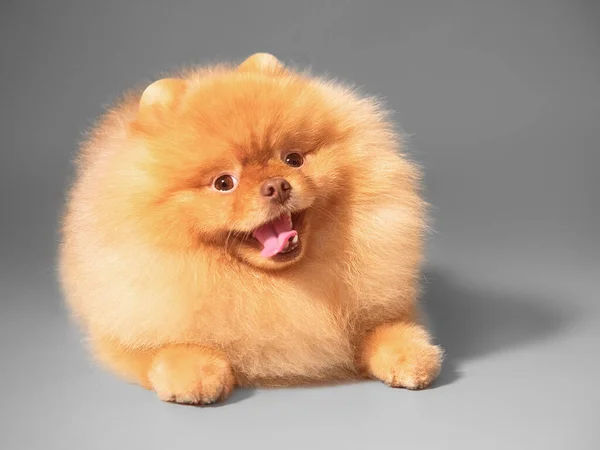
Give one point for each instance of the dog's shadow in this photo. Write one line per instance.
(473, 322)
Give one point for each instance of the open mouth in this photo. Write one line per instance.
(280, 236)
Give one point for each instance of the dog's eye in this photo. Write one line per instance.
(225, 183)
(294, 159)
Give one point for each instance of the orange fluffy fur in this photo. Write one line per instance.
(155, 265)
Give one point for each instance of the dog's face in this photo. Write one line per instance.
(247, 160)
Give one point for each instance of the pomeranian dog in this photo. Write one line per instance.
(247, 225)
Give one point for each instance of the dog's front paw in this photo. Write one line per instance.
(401, 355)
(413, 367)
(192, 375)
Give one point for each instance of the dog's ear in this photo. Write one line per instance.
(263, 63)
(164, 93)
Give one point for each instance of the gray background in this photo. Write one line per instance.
(502, 101)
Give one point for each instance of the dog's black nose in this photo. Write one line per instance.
(276, 190)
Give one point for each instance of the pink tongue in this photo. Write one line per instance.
(274, 236)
